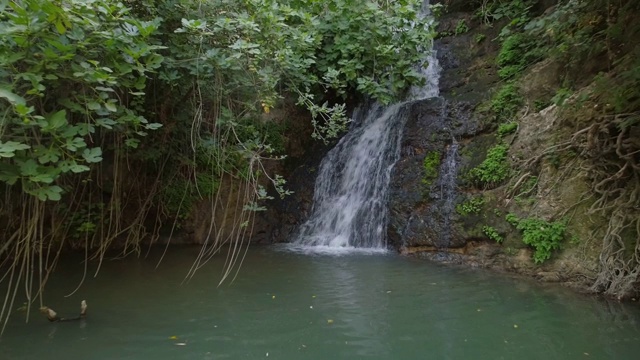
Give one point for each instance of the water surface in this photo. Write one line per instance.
(288, 305)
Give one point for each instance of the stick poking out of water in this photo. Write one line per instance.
(53, 316)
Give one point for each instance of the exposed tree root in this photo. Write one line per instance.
(614, 169)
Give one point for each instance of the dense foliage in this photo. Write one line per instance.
(117, 116)
(595, 43)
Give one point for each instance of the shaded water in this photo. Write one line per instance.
(290, 306)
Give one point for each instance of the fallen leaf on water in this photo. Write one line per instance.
(586, 353)
(388, 291)
(313, 296)
(181, 344)
(273, 297)
(173, 337)
(515, 326)
(479, 310)
(310, 307)
(330, 321)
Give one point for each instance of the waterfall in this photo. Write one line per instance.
(447, 182)
(351, 191)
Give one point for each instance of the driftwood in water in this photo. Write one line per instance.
(53, 316)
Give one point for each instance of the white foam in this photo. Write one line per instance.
(324, 250)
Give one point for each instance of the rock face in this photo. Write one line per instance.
(421, 207)
(446, 137)
(422, 210)
(436, 211)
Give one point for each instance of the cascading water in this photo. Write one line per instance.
(447, 182)
(351, 191)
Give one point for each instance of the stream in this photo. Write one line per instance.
(287, 305)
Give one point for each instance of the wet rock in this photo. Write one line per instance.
(548, 276)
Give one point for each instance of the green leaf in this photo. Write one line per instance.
(92, 105)
(46, 178)
(106, 123)
(49, 155)
(53, 193)
(58, 120)
(132, 143)
(9, 148)
(77, 168)
(9, 173)
(75, 144)
(29, 168)
(93, 155)
(111, 106)
(13, 98)
(60, 27)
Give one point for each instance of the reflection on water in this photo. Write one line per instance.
(289, 305)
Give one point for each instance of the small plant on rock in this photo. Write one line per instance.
(507, 128)
(492, 233)
(461, 27)
(542, 235)
(506, 102)
(431, 164)
(494, 169)
(471, 206)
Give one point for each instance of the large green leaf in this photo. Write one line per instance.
(9, 148)
(92, 155)
(11, 97)
(58, 119)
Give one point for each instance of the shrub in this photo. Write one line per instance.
(507, 128)
(542, 235)
(492, 233)
(431, 164)
(461, 27)
(506, 102)
(471, 206)
(495, 167)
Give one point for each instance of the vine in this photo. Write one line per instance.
(105, 105)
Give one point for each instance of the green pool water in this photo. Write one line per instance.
(288, 305)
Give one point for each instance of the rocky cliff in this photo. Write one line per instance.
(495, 174)
(528, 162)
